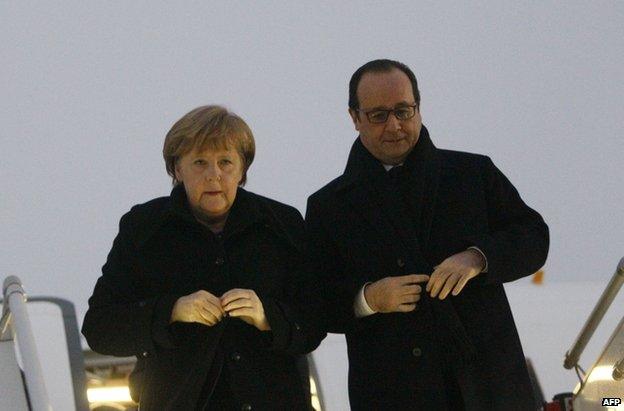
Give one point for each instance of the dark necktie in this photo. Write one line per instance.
(396, 174)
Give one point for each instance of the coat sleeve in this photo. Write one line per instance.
(294, 317)
(335, 290)
(119, 322)
(516, 242)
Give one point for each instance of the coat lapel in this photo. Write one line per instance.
(368, 189)
(425, 193)
(421, 186)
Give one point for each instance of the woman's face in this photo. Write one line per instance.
(210, 179)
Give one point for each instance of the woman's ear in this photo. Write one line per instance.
(178, 173)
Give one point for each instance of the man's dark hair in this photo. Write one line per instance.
(379, 66)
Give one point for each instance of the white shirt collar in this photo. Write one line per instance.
(389, 166)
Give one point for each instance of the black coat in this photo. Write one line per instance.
(162, 253)
(362, 230)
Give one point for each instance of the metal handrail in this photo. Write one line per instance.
(607, 297)
(14, 299)
(74, 347)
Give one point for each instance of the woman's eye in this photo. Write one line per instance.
(199, 162)
(226, 162)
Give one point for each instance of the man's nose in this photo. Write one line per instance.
(393, 123)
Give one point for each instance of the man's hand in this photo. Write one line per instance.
(246, 305)
(454, 273)
(395, 294)
(199, 307)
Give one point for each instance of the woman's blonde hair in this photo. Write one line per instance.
(208, 127)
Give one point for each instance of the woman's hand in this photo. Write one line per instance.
(199, 307)
(246, 305)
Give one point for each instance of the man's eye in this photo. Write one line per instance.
(402, 112)
(377, 115)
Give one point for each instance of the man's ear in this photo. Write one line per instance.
(355, 116)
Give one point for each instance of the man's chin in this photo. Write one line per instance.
(394, 157)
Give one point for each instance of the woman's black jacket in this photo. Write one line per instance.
(162, 253)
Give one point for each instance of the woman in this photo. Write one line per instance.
(205, 286)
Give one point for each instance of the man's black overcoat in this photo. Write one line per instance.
(363, 228)
(162, 253)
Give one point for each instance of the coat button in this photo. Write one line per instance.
(246, 407)
(219, 261)
(235, 356)
(416, 352)
(142, 303)
(400, 262)
(144, 354)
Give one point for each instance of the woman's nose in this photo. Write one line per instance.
(213, 173)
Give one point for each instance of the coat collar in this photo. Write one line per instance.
(361, 161)
(247, 211)
(366, 184)
(244, 211)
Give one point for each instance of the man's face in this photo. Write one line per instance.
(392, 141)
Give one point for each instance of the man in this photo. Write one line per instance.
(412, 245)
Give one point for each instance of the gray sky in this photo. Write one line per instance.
(90, 89)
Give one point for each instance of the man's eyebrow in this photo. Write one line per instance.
(397, 105)
(377, 108)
